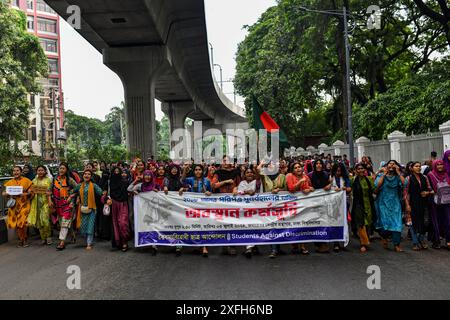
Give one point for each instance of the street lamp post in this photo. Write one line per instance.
(344, 14)
(221, 74)
(212, 54)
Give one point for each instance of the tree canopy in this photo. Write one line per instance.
(293, 61)
(22, 63)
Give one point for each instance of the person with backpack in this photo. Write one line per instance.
(439, 205)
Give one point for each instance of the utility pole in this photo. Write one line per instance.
(349, 92)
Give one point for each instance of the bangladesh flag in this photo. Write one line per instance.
(262, 120)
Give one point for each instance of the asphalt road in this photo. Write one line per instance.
(39, 272)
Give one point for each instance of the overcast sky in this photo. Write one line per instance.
(91, 89)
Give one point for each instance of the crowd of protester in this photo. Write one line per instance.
(97, 203)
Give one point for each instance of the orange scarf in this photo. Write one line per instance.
(91, 201)
(63, 185)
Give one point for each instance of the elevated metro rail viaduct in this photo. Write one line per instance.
(159, 49)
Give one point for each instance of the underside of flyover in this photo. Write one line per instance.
(159, 49)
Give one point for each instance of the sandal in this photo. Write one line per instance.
(273, 255)
(304, 251)
(205, 253)
(20, 244)
(385, 243)
(398, 249)
(416, 248)
(89, 248)
(60, 247)
(125, 248)
(363, 249)
(337, 249)
(178, 252)
(25, 245)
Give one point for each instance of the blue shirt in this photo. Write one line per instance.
(198, 186)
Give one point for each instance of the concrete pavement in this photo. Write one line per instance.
(39, 272)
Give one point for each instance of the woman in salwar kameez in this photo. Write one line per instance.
(17, 215)
(363, 209)
(389, 190)
(41, 202)
(87, 208)
(62, 189)
(439, 213)
(119, 208)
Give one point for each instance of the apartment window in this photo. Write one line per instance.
(33, 100)
(30, 23)
(42, 6)
(15, 3)
(46, 25)
(33, 130)
(53, 66)
(30, 4)
(49, 45)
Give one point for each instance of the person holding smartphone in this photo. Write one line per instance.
(389, 190)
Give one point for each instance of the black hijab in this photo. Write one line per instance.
(174, 183)
(319, 179)
(118, 186)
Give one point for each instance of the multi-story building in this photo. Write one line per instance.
(46, 131)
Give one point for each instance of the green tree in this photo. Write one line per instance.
(293, 61)
(22, 63)
(415, 105)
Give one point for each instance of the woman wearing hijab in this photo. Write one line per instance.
(173, 183)
(119, 208)
(18, 214)
(340, 182)
(417, 190)
(363, 209)
(148, 183)
(320, 180)
(446, 159)
(439, 213)
(28, 172)
(389, 190)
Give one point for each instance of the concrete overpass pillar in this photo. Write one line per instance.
(138, 68)
(177, 112)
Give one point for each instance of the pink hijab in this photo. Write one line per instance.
(436, 176)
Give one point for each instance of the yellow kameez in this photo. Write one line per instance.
(17, 215)
(39, 216)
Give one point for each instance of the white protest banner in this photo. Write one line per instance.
(14, 190)
(195, 219)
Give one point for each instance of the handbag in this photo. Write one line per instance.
(106, 210)
(85, 209)
(11, 203)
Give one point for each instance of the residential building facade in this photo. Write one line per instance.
(46, 131)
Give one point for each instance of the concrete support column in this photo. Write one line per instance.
(177, 112)
(445, 130)
(361, 145)
(395, 138)
(138, 68)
